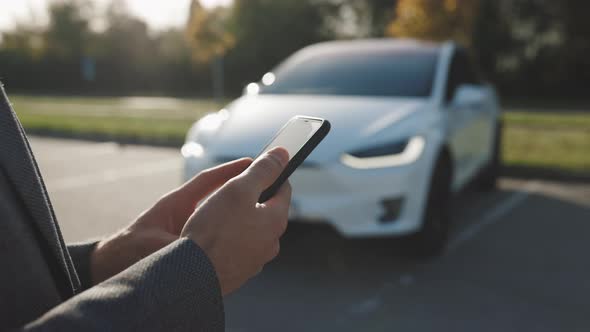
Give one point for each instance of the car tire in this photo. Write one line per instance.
(430, 241)
(488, 177)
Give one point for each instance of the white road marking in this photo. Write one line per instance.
(372, 303)
(492, 216)
(112, 175)
(367, 306)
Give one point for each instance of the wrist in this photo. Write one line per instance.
(205, 243)
(104, 258)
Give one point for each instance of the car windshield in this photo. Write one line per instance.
(388, 73)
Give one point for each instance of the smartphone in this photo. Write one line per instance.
(299, 137)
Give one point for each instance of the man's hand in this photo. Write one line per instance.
(160, 225)
(238, 234)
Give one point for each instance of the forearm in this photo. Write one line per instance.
(175, 287)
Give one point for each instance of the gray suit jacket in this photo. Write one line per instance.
(45, 285)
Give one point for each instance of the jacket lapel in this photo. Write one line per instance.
(18, 161)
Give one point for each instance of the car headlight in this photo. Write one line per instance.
(192, 149)
(201, 131)
(398, 153)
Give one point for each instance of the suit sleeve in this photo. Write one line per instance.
(174, 289)
(81, 253)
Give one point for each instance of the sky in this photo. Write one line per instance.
(158, 14)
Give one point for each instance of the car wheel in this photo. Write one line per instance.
(431, 239)
(488, 177)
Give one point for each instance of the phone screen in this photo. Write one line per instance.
(294, 135)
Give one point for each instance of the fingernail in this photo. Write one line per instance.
(281, 154)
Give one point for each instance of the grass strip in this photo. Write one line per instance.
(548, 140)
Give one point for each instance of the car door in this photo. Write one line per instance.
(462, 118)
(484, 118)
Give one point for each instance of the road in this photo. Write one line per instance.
(516, 261)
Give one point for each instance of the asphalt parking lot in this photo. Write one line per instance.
(516, 261)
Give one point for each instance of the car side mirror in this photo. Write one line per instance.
(467, 95)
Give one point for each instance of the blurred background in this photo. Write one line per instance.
(529, 48)
(70, 52)
(109, 89)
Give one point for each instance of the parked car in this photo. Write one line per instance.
(412, 123)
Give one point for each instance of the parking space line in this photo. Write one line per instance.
(112, 175)
(492, 216)
(375, 301)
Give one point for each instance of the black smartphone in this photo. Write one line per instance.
(299, 137)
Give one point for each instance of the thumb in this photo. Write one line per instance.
(264, 171)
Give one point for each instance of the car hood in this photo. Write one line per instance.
(356, 121)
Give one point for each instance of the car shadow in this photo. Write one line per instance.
(309, 245)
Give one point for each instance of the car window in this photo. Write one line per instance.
(358, 73)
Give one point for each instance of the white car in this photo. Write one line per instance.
(412, 123)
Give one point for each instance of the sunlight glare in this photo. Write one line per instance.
(253, 89)
(268, 79)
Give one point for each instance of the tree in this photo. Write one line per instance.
(127, 54)
(68, 32)
(126, 37)
(381, 13)
(534, 47)
(208, 35)
(436, 20)
(267, 31)
(576, 46)
(491, 36)
(25, 41)
(208, 32)
(349, 19)
(358, 18)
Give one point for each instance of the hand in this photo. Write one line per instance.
(161, 224)
(238, 234)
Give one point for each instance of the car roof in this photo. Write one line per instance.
(389, 45)
(363, 47)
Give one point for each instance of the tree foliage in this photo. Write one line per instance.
(526, 47)
(267, 31)
(535, 47)
(68, 33)
(381, 12)
(208, 33)
(25, 41)
(436, 20)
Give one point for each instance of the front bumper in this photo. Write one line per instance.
(351, 200)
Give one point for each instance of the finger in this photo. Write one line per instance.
(273, 251)
(279, 205)
(282, 197)
(264, 171)
(209, 180)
